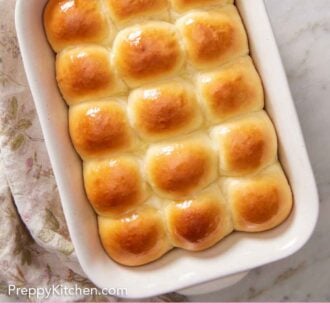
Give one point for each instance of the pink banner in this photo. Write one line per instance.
(165, 316)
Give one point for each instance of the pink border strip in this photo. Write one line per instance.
(159, 316)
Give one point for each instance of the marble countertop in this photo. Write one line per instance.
(302, 29)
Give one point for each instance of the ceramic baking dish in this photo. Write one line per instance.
(178, 269)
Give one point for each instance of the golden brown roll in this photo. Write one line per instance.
(135, 239)
(177, 169)
(231, 90)
(125, 10)
(198, 223)
(259, 202)
(245, 145)
(69, 23)
(85, 73)
(114, 186)
(99, 128)
(147, 52)
(213, 38)
(164, 110)
(185, 5)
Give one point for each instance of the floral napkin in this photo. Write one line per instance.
(35, 246)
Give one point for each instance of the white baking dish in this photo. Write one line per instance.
(178, 269)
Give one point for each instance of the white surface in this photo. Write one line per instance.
(302, 30)
(213, 286)
(178, 269)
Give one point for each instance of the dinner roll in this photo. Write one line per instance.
(164, 110)
(231, 90)
(69, 23)
(99, 128)
(259, 202)
(135, 239)
(115, 185)
(185, 5)
(213, 38)
(126, 10)
(85, 73)
(147, 52)
(177, 169)
(198, 223)
(245, 145)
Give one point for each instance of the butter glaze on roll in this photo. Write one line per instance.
(147, 52)
(231, 90)
(114, 186)
(199, 223)
(166, 113)
(122, 11)
(100, 129)
(259, 202)
(164, 110)
(85, 73)
(245, 145)
(69, 23)
(213, 38)
(135, 239)
(178, 169)
(184, 5)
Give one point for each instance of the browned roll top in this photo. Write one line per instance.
(114, 186)
(123, 10)
(75, 22)
(179, 169)
(99, 128)
(135, 239)
(184, 5)
(85, 73)
(199, 223)
(259, 202)
(164, 110)
(150, 51)
(213, 38)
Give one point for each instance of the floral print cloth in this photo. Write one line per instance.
(35, 246)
